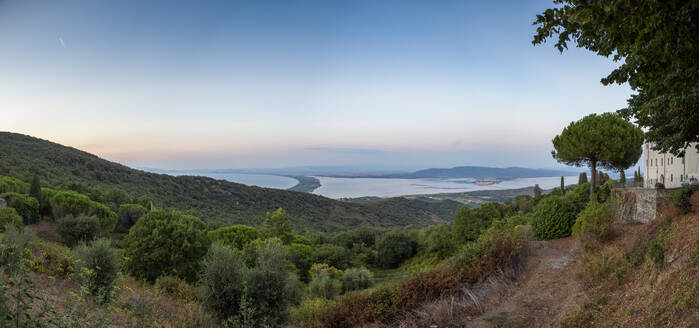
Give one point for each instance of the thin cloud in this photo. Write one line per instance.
(60, 39)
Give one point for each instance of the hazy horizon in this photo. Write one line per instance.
(229, 84)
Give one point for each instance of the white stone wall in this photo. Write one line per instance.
(668, 169)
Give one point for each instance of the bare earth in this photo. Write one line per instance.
(545, 292)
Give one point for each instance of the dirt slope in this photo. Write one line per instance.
(546, 290)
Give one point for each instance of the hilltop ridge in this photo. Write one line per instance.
(218, 202)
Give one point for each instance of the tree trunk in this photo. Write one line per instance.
(622, 177)
(593, 181)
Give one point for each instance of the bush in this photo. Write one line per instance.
(680, 198)
(301, 256)
(357, 278)
(65, 203)
(656, 251)
(592, 224)
(438, 243)
(223, 276)
(238, 236)
(9, 184)
(394, 248)
(175, 287)
(14, 244)
(166, 243)
(9, 215)
(27, 207)
(248, 296)
(82, 229)
(98, 269)
(470, 222)
(129, 214)
(333, 255)
(54, 259)
(579, 196)
(270, 288)
(553, 218)
(324, 285)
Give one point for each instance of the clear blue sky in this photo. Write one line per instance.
(226, 84)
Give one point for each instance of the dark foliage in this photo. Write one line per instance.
(76, 230)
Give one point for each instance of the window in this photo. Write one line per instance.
(656, 162)
(670, 177)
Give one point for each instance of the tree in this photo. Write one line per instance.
(537, 193)
(278, 225)
(597, 141)
(657, 42)
(129, 214)
(563, 185)
(394, 248)
(237, 236)
(166, 242)
(582, 178)
(35, 189)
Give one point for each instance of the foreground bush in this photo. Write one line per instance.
(166, 243)
(357, 278)
(8, 215)
(175, 287)
(26, 206)
(245, 296)
(13, 246)
(680, 198)
(65, 203)
(82, 229)
(592, 223)
(553, 218)
(98, 269)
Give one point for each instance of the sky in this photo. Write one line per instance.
(243, 84)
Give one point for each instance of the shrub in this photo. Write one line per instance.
(27, 207)
(175, 287)
(680, 198)
(223, 276)
(333, 255)
(65, 203)
(324, 285)
(659, 185)
(301, 256)
(592, 223)
(656, 251)
(524, 203)
(579, 196)
(129, 214)
(470, 222)
(320, 267)
(553, 218)
(80, 229)
(9, 215)
(166, 243)
(14, 244)
(238, 236)
(438, 243)
(270, 288)
(357, 278)
(98, 269)
(602, 192)
(9, 184)
(54, 259)
(394, 248)
(249, 296)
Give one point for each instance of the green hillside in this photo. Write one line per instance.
(215, 201)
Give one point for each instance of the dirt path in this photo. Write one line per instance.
(546, 291)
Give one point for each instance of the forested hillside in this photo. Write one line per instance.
(216, 201)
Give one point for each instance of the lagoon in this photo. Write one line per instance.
(378, 187)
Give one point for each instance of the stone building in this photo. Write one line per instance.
(668, 169)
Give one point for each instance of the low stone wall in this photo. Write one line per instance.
(639, 204)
